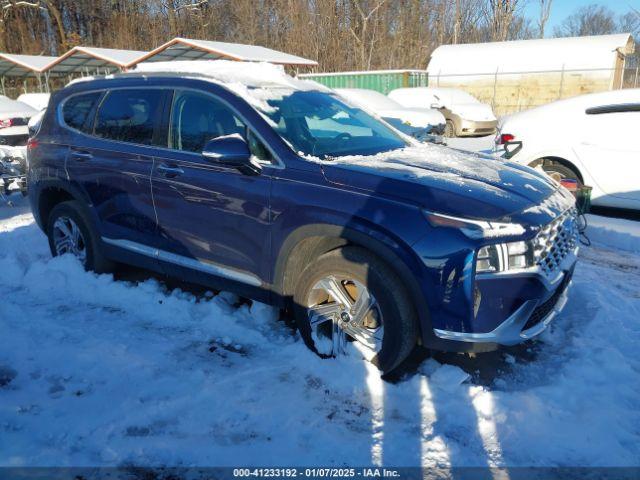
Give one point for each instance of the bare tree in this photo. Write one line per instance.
(545, 11)
(590, 20)
(500, 14)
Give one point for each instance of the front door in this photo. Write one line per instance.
(211, 218)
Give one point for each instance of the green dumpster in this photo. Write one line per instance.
(382, 81)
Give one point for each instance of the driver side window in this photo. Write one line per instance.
(197, 118)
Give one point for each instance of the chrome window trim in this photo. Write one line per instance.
(279, 165)
(193, 263)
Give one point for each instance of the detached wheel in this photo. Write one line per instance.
(70, 232)
(449, 129)
(349, 299)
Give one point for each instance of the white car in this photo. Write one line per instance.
(593, 139)
(466, 116)
(14, 118)
(408, 120)
(39, 101)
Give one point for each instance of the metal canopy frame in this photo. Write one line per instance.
(190, 49)
(89, 60)
(22, 67)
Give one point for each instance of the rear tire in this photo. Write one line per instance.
(70, 231)
(358, 271)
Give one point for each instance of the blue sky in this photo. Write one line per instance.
(560, 9)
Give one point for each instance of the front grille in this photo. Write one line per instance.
(544, 309)
(555, 241)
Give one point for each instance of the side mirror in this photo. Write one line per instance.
(231, 151)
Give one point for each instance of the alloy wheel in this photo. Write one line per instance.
(343, 311)
(67, 238)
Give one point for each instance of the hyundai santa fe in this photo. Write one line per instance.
(242, 178)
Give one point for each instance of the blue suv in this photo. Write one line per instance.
(276, 189)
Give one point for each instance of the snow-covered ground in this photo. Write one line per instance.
(101, 372)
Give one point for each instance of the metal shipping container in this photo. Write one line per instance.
(382, 81)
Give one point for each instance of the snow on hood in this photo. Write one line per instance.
(458, 183)
(478, 112)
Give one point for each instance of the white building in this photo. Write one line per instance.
(520, 74)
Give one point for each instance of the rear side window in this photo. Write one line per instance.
(129, 115)
(76, 110)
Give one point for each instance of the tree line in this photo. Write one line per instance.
(340, 34)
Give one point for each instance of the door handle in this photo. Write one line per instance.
(170, 171)
(81, 156)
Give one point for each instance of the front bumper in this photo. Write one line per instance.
(533, 315)
(471, 127)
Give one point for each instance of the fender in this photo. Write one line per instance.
(70, 188)
(331, 236)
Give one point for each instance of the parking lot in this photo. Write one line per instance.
(135, 371)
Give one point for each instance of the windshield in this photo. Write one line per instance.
(319, 124)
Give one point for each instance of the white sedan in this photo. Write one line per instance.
(465, 115)
(407, 120)
(14, 118)
(593, 139)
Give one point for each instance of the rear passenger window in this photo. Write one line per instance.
(76, 109)
(129, 115)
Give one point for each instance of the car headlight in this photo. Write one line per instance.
(475, 229)
(501, 257)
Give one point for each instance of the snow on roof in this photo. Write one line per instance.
(12, 65)
(522, 56)
(87, 59)
(191, 49)
(246, 80)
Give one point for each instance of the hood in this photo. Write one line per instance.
(478, 112)
(455, 183)
(415, 117)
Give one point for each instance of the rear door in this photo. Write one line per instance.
(610, 151)
(211, 218)
(113, 163)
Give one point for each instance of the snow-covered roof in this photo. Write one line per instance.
(522, 56)
(92, 59)
(190, 49)
(12, 65)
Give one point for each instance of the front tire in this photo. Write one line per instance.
(450, 129)
(70, 232)
(348, 298)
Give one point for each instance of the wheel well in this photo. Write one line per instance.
(304, 252)
(48, 199)
(558, 161)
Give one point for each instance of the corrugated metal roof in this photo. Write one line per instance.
(522, 56)
(92, 59)
(12, 65)
(190, 49)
